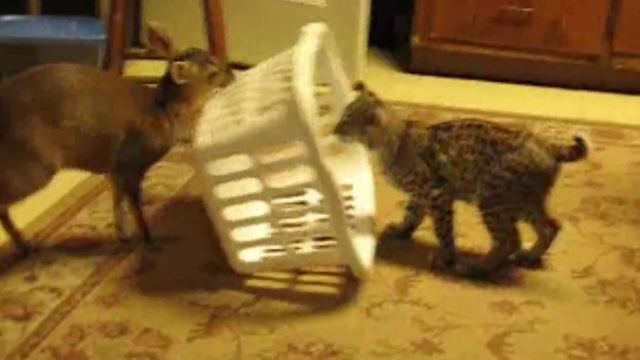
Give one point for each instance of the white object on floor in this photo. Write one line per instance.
(282, 192)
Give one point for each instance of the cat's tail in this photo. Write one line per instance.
(575, 152)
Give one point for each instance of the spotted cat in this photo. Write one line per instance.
(505, 170)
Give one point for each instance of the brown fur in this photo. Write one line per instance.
(60, 116)
(506, 171)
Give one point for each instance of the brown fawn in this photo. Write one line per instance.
(59, 116)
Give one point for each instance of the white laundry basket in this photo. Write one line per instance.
(281, 191)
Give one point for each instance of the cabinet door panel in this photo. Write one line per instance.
(571, 26)
(627, 37)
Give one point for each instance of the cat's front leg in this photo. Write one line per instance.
(442, 214)
(413, 216)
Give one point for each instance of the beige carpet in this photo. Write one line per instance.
(75, 300)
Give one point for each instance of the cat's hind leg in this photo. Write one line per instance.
(546, 228)
(505, 241)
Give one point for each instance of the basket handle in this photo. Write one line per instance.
(316, 40)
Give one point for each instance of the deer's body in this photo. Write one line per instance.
(84, 133)
(61, 116)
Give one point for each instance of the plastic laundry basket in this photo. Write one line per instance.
(281, 191)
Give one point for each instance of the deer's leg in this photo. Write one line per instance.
(127, 187)
(16, 236)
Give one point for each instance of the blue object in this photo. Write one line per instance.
(29, 40)
(43, 29)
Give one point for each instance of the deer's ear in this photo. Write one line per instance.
(182, 72)
(159, 41)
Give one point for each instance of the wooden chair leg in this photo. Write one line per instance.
(116, 51)
(34, 7)
(116, 44)
(137, 24)
(215, 28)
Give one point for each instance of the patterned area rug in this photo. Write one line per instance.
(84, 297)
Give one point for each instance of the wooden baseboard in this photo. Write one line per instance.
(511, 66)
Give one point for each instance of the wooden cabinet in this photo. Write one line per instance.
(553, 42)
(550, 25)
(627, 36)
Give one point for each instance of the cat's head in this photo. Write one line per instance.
(363, 119)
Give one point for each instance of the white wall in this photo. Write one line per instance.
(183, 20)
(259, 29)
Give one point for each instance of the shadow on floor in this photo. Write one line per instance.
(422, 256)
(191, 259)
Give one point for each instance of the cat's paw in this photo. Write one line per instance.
(525, 258)
(443, 259)
(152, 247)
(395, 232)
(470, 269)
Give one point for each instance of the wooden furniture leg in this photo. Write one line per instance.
(117, 49)
(116, 43)
(215, 27)
(34, 7)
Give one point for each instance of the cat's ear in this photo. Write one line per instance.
(360, 87)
